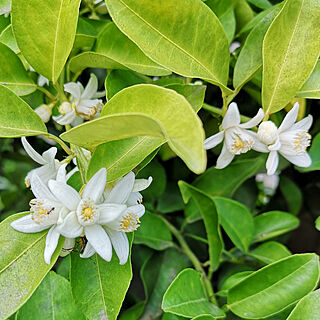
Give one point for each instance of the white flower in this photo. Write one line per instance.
(41, 79)
(49, 167)
(269, 183)
(46, 212)
(5, 7)
(88, 213)
(44, 112)
(82, 105)
(291, 140)
(236, 138)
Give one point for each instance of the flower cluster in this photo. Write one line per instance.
(291, 139)
(100, 212)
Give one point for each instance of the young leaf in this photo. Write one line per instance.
(182, 301)
(17, 118)
(273, 223)
(311, 89)
(290, 51)
(45, 32)
(291, 278)
(170, 36)
(292, 194)
(12, 73)
(99, 287)
(53, 299)
(22, 265)
(7, 38)
(231, 281)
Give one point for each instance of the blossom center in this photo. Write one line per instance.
(87, 212)
(41, 211)
(65, 108)
(130, 222)
(301, 141)
(268, 132)
(241, 145)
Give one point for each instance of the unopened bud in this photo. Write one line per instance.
(268, 132)
(44, 112)
(65, 108)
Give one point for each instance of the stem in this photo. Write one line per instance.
(193, 258)
(76, 76)
(82, 162)
(62, 144)
(188, 80)
(47, 93)
(60, 92)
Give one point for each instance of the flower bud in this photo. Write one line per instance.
(65, 108)
(44, 112)
(268, 132)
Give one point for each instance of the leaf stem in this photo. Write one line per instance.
(47, 93)
(60, 91)
(58, 140)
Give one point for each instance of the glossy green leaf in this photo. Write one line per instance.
(133, 312)
(17, 118)
(170, 200)
(22, 265)
(270, 252)
(45, 32)
(204, 317)
(63, 267)
(307, 308)
(311, 89)
(99, 287)
(207, 208)
(243, 12)
(182, 301)
(236, 220)
(290, 51)
(250, 58)
(292, 194)
(153, 232)
(86, 35)
(262, 4)
(317, 223)
(51, 300)
(273, 223)
(232, 281)
(171, 316)
(13, 74)
(121, 156)
(171, 39)
(7, 38)
(114, 49)
(314, 154)
(291, 278)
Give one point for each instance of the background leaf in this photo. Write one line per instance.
(311, 89)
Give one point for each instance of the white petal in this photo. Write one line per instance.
(120, 244)
(272, 162)
(68, 196)
(276, 146)
(49, 155)
(76, 121)
(39, 189)
(70, 227)
(290, 118)
(88, 251)
(258, 145)
(65, 119)
(138, 209)
(74, 89)
(51, 244)
(95, 186)
(254, 121)
(134, 198)
(303, 124)
(121, 191)
(214, 140)
(225, 157)
(27, 225)
(100, 241)
(99, 94)
(91, 87)
(33, 154)
(61, 174)
(232, 117)
(110, 211)
(300, 160)
(141, 184)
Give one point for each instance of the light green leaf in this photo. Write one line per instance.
(22, 265)
(311, 89)
(7, 38)
(174, 37)
(314, 154)
(186, 297)
(114, 50)
(290, 51)
(52, 299)
(121, 156)
(236, 220)
(292, 194)
(207, 208)
(317, 223)
(291, 278)
(273, 223)
(17, 118)
(85, 35)
(269, 252)
(99, 287)
(12, 73)
(231, 282)
(45, 32)
(262, 4)
(307, 308)
(243, 12)
(153, 232)
(135, 111)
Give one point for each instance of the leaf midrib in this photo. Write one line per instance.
(186, 303)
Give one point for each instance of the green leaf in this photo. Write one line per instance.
(12, 73)
(85, 35)
(244, 13)
(273, 223)
(186, 297)
(121, 156)
(237, 222)
(290, 51)
(270, 252)
(52, 299)
(314, 153)
(133, 312)
(135, 112)
(170, 200)
(7, 38)
(250, 58)
(292, 194)
(291, 278)
(171, 39)
(311, 89)
(45, 32)
(115, 50)
(153, 232)
(22, 265)
(99, 287)
(17, 118)
(307, 308)
(262, 4)
(207, 208)
(63, 267)
(317, 223)
(232, 281)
